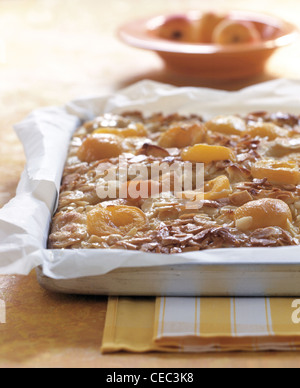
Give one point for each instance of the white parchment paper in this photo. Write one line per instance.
(46, 133)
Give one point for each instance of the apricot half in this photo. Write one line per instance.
(228, 125)
(217, 188)
(134, 130)
(262, 214)
(182, 136)
(278, 172)
(203, 153)
(100, 146)
(235, 32)
(266, 130)
(213, 190)
(104, 221)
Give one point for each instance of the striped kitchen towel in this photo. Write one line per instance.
(201, 324)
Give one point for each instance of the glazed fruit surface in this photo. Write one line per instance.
(249, 196)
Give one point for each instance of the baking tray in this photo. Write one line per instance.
(239, 280)
(222, 272)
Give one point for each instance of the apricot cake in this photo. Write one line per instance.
(249, 195)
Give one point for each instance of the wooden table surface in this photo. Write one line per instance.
(52, 51)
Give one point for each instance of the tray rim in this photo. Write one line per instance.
(181, 281)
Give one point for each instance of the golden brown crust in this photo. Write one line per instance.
(252, 160)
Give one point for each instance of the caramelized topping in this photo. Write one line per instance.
(250, 195)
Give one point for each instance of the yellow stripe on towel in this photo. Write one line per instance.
(200, 325)
(129, 325)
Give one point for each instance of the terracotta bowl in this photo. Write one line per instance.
(211, 61)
